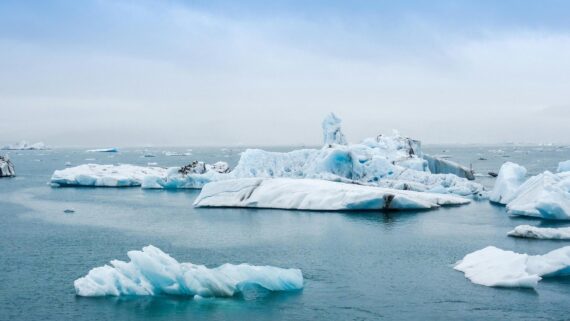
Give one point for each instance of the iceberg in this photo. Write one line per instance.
(153, 272)
(313, 194)
(6, 167)
(24, 145)
(511, 176)
(495, 267)
(104, 175)
(527, 231)
(103, 150)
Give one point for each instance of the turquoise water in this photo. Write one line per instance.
(357, 265)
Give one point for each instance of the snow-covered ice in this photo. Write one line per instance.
(104, 175)
(511, 177)
(6, 167)
(312, 194)
(546, 233)
(492, 266)
(153, 272)
(24, 145)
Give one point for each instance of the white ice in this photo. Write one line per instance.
(492, 266)
(104, 175)
(103, 150)
(564, 166)
(511, 177)
(153, 272)
(312, 194)
(24, 145)
(527, 231)
(195, 175)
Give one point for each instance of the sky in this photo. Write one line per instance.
(194, 73)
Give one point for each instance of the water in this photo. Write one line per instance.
(357, 266)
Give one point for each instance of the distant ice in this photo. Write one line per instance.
(103, 150)
(534, 232)
(492, 266)
(153, 272)
(24, 145)
(312, 194)
(104, 175)
(332, 131)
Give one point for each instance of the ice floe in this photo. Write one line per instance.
(104, 175)
(153, 272)
(492, 266)
(24, 145)
(6, 167)
(104, 150)
(194, 175)
(545, 233)
(312, 194)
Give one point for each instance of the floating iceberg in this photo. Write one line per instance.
(6, 167)
(153, 272)
(393, 162)
(104, 175)
(311, 194)
(492, 266)
(511, 177)
(24, 145)
(545, 195)
(103, 150)
(533, 232)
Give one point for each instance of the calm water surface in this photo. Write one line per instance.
(357, 265)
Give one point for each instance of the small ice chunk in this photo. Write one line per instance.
(545, 233)
(6, 167)
(153, 272)
(492, 266)
(103, 150)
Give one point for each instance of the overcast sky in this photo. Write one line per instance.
(124, 73)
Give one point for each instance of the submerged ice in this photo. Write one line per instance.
(153, 272)
(492, 266)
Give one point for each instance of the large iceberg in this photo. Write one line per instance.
(6, 167)
(511, 177)
(545, 233)
(311, 194)
(492, 266)
(394, 162)
(153, 272)
(24, 145)
(104, 175)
